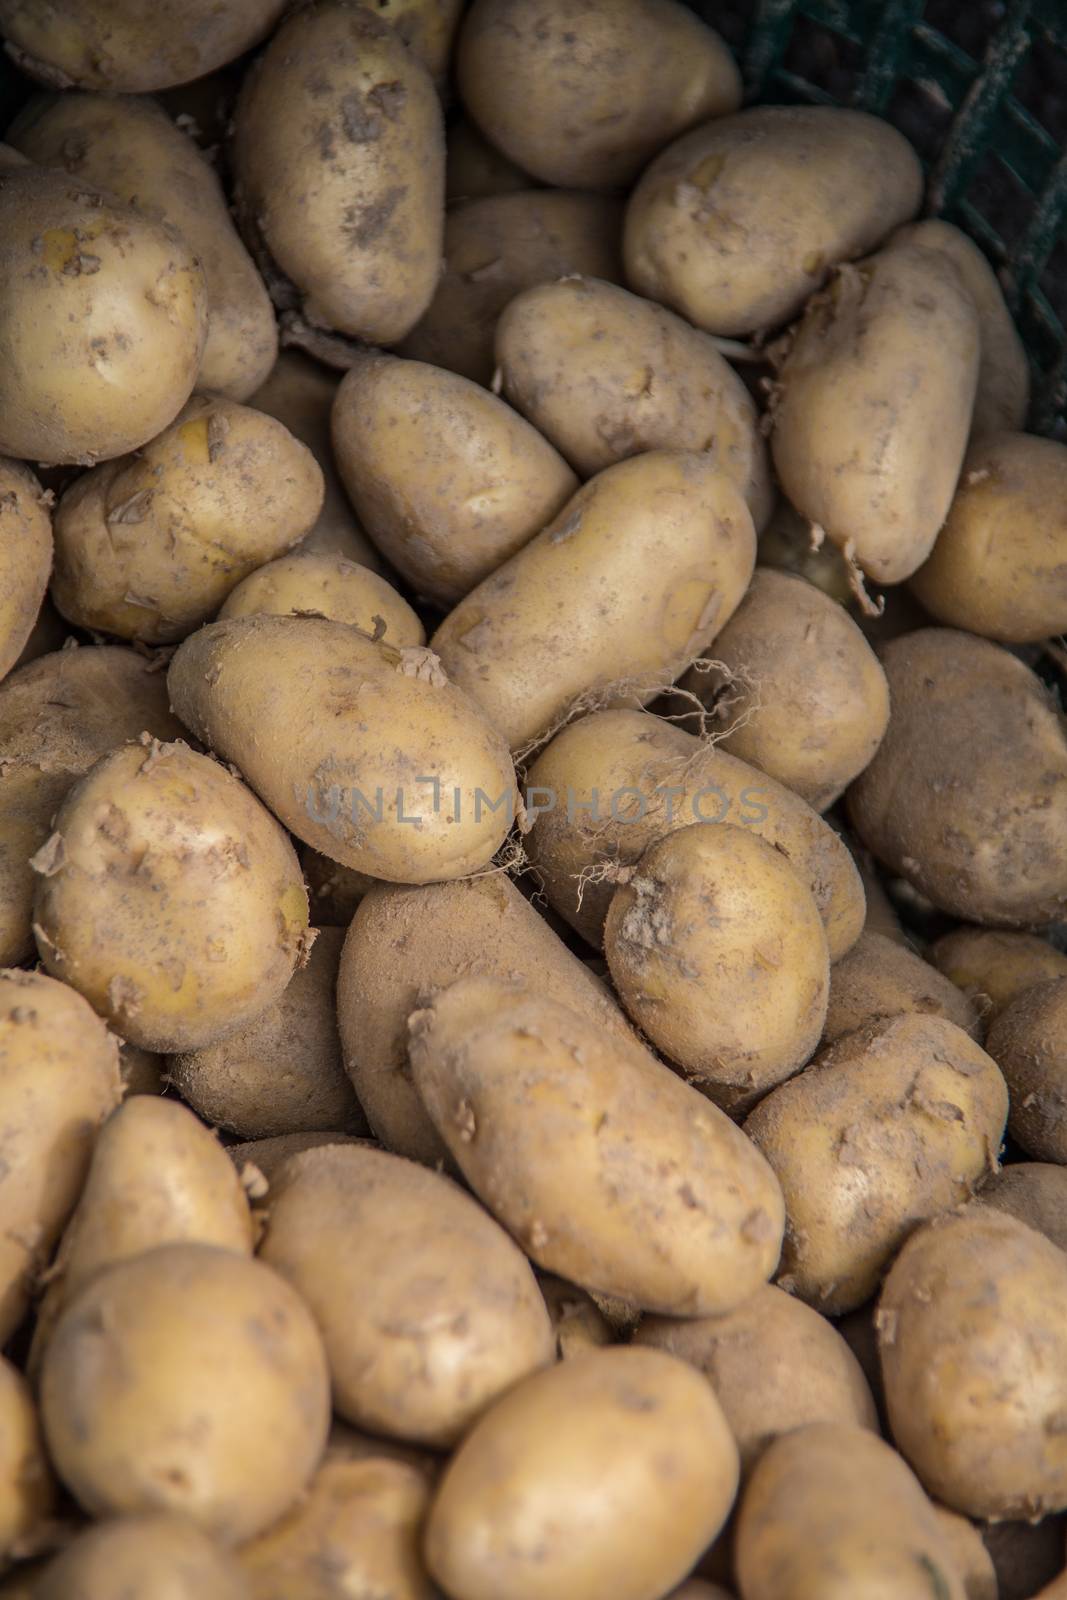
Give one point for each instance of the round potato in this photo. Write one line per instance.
(387, 767)
(448, 504)
(27, 1490)
(321, 584)
(973, 1332)
(605, 375)
(737, 222)
(994, 968)
(579, 1324)
(665, 544)
(268, 1156)
(795, 688)
(428, 1311)
(474, 170)
(169, 897)
(608, 1475)
(967, 796)
(25, 558)
(543, 1111)
(339, 161)
(1028, 1042)
(103, 317)
(969, 1555)
(135, 1555)
(718, 953)
(892, 1124)
(879, 978)
(1034, 1192)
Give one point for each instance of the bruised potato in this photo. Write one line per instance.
(311, 583)
(880, 977)
(994, 967)
(25, 558)
(1028, 1041)
(133, 1555)
(27, 1490)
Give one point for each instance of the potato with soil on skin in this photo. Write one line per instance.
(134, 1555)
(59, 1079)
(994, 967)
(880, 978)
(27, 1491)
(131, 148)
(892, 1124)
(268, 1156)
(873, 404)
(971, 1328)
(428, 1311)
(832, 1512)
(665, 544)
(610, 784)
(187, 1333)
(405, 943)
(1034, 1192)
(736, 223)
(496, 246)
(997, 568)
(339, 168)
(967, 796)
(718, 953)
(25, 558)
(796, 689)
(377, 759)
(103, 318)
(543, 1112)
(326, 585)
(148, 546)
(606, 375)
(1028, 1042)
(579, 1325)
(446, 504)
(169, 897)
(606, 1475)
(969, 1555)
(427, 27)
(474, 170)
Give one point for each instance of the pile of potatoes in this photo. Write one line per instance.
(533, 828)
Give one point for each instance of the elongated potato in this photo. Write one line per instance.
(339, 161)
(605, 375)
(445, 505)
(543, 1113)
(993, 968)
(1028, 1042)
(132, 149)
(881, 978)
(130, 1556)
(391, 770)
(428, 1311)
(737, 222)
(27, 1489)
(404, 943)
(967, 796)
(613, 782)
(25, 558)
(666, 544)
(313, 583)
(1034, 1192)
(606, 1475)
(474, 170)
(169, 897)
(874, 407)
(892, 1124)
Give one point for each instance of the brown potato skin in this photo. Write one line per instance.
(25, 559)
(1034, 1192)
(474, 170)
(129, 1555)
(1027, 1557)
(969, 1555)
(327, 585)
(27, 1489)
(269, 1156)
(1028, 1042)
(880, 977)
(427, 27)
(995, 967)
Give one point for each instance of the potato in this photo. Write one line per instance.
(428, 1311)
(25, 558)
(736, 223)
(1029, 1044)
(132, 149)
(49, 632)
(997, 567)
(103, 315)
(334, 891)
(605, 375)
(310, 583)
(1056, 1590)
(268, 1156)
(155, 1556)
(892, 1124)
(474, 169)
(1034, 1192)
(59, 1078)
(882, 915)
(697, 1589)
(788, 544)
(873, 407)
(169, 898)
(966, 798)
(969, 1555)
(544, 1113)
(381, 735)
(448, 504)
(718, 953)
(427, 27)
(604, 1476)
(972, 1330)
(27, 1492)
(832, 1512)
(405, 943)
(1027, 1556)
(774, 1364)
(148, 546)
(1003, 396)
(141, 1070)
(339, 162)
(613, 782)
(994, 968)
(796, 690)
(616, 596)
(586, 97)
(498, 245)
(281, 1072)
(579, 1324)
(57, 716)
(880, 978)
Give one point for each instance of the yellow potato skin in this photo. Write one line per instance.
(880, 977)
(895, 1122)
(59, 1079)
(25, 558)
(736, 223)
(427, 27)
(1027, 1043)
(130, 1555)
(169, 897)
(446, 505)
(969, 1555)
(366, 721)
(994, 967)
(542, 1111)
(327, 585)
(580, 1327)
(27, 1489)
(427, 1309)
